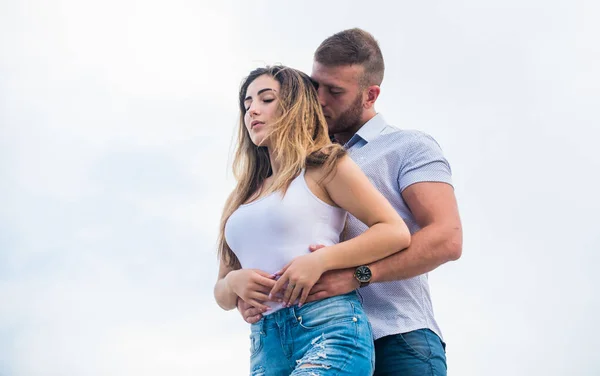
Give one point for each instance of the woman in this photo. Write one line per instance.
(294, 189)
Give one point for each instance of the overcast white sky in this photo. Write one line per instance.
(116, 120)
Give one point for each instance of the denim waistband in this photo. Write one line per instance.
(293, 312)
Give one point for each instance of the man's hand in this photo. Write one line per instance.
(333, 282)
(250, 314)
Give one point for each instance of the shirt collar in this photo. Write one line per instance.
(369, 131)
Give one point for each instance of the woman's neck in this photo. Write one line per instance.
(275, 163)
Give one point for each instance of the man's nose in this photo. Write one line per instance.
(321, 96)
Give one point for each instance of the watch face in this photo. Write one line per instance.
(363, 273)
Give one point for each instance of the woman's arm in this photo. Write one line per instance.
(387, 234)
(350, 189)
(251, 285)
(224, 295)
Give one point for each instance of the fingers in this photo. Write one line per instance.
(257, 300)
(278, 286)
(303, 297)
(253, 319)
(282, 270)
(260, 296)
(259, 305)
(242, 305)
(267, 276)
(250, 314)
(288, 293)
(314, 247)
(255, 286)
(317, 296)
(301, 293)
(316, 288)
(295, 294)
(251, 311)
(265, 281)
(262, 273)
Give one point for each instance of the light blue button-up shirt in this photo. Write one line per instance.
(393, 159)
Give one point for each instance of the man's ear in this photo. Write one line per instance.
(372, 94)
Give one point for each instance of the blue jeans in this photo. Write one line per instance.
(417, 353)
(327, 337)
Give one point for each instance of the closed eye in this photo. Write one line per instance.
(268, 100)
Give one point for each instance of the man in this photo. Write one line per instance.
(408, 167)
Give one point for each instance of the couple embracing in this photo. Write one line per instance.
(335, 221)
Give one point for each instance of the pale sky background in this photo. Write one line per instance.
(116, 121)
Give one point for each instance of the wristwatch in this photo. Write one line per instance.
(363, 275)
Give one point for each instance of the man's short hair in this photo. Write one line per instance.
(353, 46)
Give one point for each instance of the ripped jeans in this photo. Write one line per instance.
(327, 337)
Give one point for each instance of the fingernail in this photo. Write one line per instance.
(270, 296)
(299, 305)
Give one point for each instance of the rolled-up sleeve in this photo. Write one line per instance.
(423, 161)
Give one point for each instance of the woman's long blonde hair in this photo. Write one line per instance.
(299, 139)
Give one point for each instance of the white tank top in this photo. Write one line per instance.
(269, 232)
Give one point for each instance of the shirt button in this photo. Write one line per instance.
(299, 318)
(354, 319)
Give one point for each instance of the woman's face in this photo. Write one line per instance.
(261, 108)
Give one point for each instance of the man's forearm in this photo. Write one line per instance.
(430, 247)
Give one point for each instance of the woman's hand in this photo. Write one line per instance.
(300, 275)
(252, 286)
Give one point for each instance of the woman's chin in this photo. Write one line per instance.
(260, 142)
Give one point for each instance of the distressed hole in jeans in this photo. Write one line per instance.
(258, 371)
(314, 358)
(313, 374)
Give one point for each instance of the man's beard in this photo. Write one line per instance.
(348, 120)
